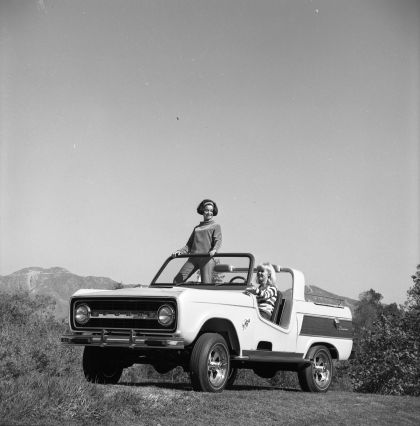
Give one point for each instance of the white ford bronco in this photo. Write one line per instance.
(210, 329)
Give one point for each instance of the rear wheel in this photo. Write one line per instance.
(317, 377)
(100, 365)
(210, 363)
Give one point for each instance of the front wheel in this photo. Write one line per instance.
(100, 365)
(317, 377)
(210, 363)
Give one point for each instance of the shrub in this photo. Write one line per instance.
(30, 338)
(388, 358)
(388, 342)
(22, 308)
(341, 379)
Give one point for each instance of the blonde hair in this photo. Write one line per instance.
(271, 272)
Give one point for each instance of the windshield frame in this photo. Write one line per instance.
(207, 286)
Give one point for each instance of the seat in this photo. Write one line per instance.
(285, 314)
(278, 307)
(221, 267)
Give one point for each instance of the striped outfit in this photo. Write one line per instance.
(266, 298)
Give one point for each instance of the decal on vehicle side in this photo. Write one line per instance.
(245, 324)
(326, 327)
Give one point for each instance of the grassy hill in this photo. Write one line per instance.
(55, 282)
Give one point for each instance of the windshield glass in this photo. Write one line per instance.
(222, 270)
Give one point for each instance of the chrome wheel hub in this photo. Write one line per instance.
(217, 365)
(321, 371)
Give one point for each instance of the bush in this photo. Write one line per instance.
(21, 308)
(388, 342)
(30, 338)
(341, 379)
(388, 358)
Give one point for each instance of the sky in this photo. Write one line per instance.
(299, 118)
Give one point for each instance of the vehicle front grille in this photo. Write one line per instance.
(122, 313)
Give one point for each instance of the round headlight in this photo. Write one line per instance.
(166, 315)
(82, 313)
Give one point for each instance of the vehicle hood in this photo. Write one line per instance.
(132, 292)
(192, 295)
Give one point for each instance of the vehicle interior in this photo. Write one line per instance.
(230, 272)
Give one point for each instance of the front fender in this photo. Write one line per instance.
(202, 312)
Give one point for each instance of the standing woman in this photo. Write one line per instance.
(206, 238)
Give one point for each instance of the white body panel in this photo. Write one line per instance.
(197, 306)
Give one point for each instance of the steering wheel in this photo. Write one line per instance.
(237, 277)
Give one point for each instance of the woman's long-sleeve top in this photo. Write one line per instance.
(206, 236)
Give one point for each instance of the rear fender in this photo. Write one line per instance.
(332, 349)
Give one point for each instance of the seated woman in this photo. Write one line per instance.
(266, 291)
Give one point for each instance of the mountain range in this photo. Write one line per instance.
(56, 282)
(318, 294)
(60, 284)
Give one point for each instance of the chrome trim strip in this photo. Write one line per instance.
(123, 314)
(129, 341)
(324, 336)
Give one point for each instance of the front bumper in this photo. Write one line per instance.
(132, 340)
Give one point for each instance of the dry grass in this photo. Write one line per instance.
(37, 399)
(41, 383)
